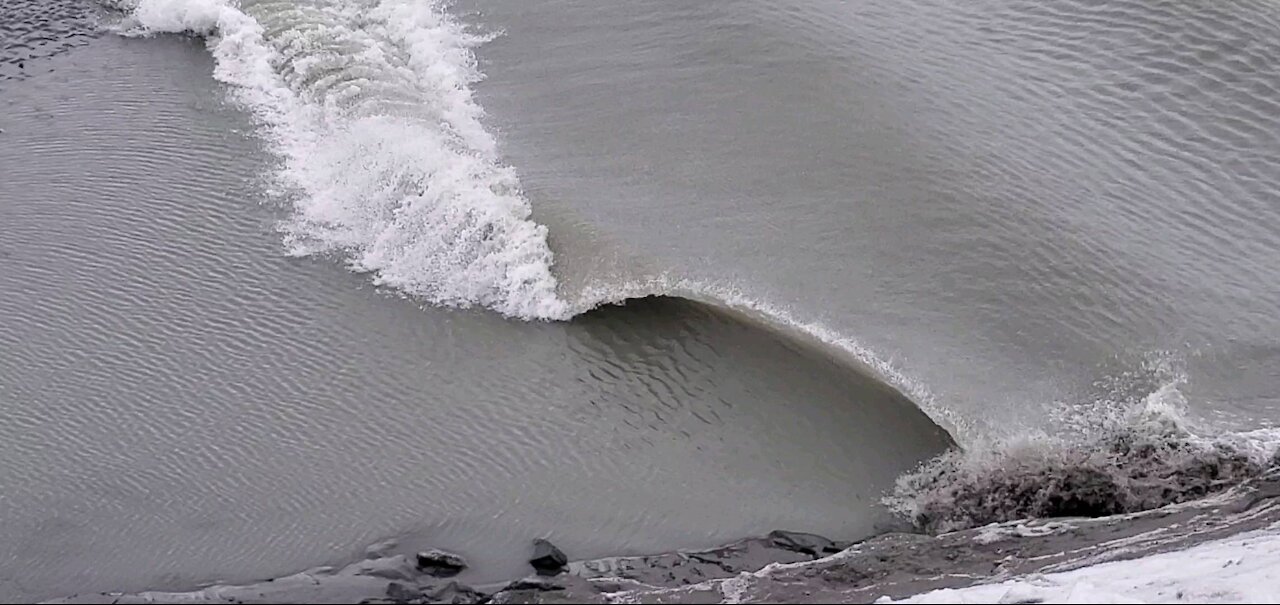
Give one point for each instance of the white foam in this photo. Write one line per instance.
(384, 154)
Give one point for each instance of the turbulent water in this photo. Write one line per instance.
(282, 278)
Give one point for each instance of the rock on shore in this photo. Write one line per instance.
(783, 567)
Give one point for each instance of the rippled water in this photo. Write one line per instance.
(183, 402)
(1013, 201)
(30, 31)
(1014, 212)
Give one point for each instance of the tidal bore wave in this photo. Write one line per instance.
(387, 165)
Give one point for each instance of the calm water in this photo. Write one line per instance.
(229, 338)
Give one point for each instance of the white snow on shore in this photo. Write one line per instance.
(1241, 569)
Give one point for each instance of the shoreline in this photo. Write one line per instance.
(785, 567)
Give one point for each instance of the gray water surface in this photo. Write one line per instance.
(1011, 200)
(182, 403)
(1023, 210)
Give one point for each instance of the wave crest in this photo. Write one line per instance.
(384, 155)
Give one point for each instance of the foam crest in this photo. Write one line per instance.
(383, 151)
(778, 317)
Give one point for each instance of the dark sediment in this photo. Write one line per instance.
(787, 567)
(1123, 468)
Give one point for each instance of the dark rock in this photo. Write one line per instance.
(440, 564)
(538, 583)
(614, 585)
(895, 565)
(399, 593)
(547, 559)
(809, 544)
(690, 567)
(454, 593)
(564, 588)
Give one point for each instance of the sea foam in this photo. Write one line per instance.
(384, 157)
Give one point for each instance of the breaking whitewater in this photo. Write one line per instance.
(1122, 500)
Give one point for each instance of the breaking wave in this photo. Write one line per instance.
(1133, 456)
(386, 163)
(369, 106)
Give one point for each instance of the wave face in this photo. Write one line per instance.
(383, 152)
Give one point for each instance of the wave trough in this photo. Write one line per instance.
(383, 153)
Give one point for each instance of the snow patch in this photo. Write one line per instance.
(1240, 569)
